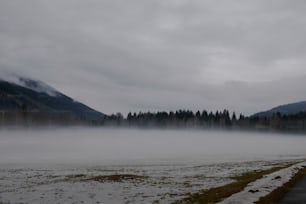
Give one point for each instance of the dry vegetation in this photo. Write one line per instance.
(219, 193)
(280, 192)
(105, 178)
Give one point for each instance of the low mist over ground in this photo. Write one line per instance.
(127, 146)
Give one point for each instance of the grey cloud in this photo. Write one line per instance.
(120, 56)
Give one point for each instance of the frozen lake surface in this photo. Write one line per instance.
(78, 165)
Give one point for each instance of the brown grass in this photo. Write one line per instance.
(116, 178)
(217, 194)
(105, 178)
(280, 192)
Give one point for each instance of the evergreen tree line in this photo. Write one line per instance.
(206, 120)
(180, 118)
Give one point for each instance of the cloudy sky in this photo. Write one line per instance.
(139, 55)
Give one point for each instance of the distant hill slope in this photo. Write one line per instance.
(287, 109)
(30, 100)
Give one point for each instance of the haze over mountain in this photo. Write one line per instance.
(25, 100)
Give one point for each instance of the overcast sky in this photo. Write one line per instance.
(139, 55)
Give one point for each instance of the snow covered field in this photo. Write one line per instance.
(131, 166)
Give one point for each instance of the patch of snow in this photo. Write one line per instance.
(262, 187)
(165, 183)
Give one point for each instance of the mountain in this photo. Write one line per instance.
(29, 101)
(287, 109)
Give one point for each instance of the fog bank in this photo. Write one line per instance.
(126, 146)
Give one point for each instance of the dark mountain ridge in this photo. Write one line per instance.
(287, 109)
(33, 101)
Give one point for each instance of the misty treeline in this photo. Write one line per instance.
(208, 120)
(39, 118)
(180, 118)
(173, 119)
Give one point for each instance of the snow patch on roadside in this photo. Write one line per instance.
(262, 187)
